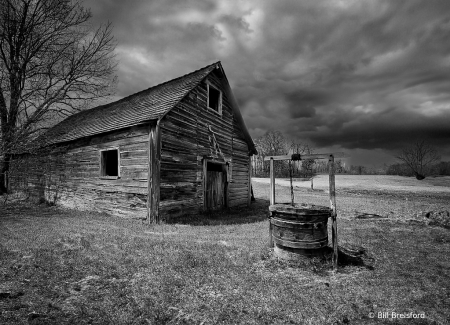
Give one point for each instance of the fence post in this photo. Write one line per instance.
(333, 212)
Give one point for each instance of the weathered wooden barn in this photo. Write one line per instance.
(176, 148)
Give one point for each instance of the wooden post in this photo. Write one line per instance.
(333, 212)
(272, 183)
(154, 153)
(227, 185)
(272, 199)
(270, 231)
(205, 174)
(249, 199)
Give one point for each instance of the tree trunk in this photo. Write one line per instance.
(4, 163)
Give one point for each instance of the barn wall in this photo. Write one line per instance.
(185, 140)
(72, 173)
(239, 187)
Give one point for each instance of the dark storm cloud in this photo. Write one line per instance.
(303, 103)
(349, 74)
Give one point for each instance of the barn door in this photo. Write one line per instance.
(215, 186)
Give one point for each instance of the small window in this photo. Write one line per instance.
(110, 163)
(214, 99)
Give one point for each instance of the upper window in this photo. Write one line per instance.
(214, 99)
(109, 165)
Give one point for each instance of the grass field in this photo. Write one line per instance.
(379, 183)
(67, 267)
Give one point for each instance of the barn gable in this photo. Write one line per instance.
(198, 141)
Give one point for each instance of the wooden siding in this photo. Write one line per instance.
(239, 187)
(77, 168)
(186, 140)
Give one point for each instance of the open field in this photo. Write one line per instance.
(67, 267)
(400, 198)
(375, 183)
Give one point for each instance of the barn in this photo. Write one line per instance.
(176, 148)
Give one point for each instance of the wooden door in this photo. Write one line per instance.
(215, 187)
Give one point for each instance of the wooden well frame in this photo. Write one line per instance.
(332, 186)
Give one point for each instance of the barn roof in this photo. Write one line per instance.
(150, 104)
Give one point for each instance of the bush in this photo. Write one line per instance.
(442, 168)
(400, 170)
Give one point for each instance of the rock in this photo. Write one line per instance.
(439, 218)
(34, 315)
(370, 216)
(354, 255)
(437, 214)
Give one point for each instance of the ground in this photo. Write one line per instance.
(69, 267)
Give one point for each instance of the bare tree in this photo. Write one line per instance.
(52, 64)
(273, 143)
(419, 157)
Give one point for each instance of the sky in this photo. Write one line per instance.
(366, 77)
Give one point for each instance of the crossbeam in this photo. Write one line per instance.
(297, 156)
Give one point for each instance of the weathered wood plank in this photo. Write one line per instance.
(134, 161)
(311, 156)
(118, 143)
(133, 154)
(154, 173)
(178, 166)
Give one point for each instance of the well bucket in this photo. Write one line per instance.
(300, 230)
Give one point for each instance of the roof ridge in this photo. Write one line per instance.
(153, 87)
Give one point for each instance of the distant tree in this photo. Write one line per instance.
(272, 143)
(419, 157)
(308, 167)
(52, 64)
(338, 166)
(358, 170)
(400, 169)
(321, 166)
(443, 168)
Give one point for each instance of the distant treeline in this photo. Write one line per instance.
(321, 167)
(273, 143)
(441, 168)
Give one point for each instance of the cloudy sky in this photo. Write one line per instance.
(362, 76)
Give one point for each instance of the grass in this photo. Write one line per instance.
(67, 267)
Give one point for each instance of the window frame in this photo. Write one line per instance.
(101, 169)
(208, 85)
